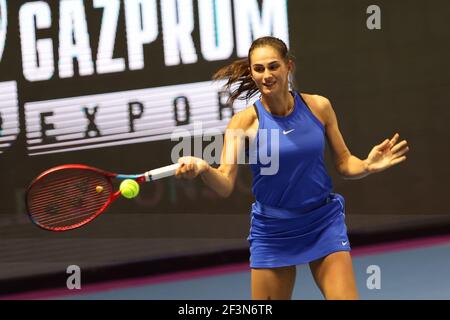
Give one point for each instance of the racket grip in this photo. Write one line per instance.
(160, 173)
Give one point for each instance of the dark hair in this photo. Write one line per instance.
(239, 72)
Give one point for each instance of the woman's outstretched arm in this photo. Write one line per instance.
(382, 156)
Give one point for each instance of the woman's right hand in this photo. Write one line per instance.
(191, 167)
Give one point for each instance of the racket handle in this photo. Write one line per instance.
(160, 173)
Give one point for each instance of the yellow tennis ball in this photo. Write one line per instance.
(129, 188)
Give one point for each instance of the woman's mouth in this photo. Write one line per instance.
(269, 85)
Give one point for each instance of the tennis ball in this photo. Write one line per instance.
(99, 189)
(129, 188)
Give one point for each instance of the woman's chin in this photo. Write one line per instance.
(269, 90)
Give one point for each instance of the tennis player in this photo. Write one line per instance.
(296, 218)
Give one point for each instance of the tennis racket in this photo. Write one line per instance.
(69, 196)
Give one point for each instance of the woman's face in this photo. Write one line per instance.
(269, 70)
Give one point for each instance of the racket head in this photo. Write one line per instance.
(69, 196)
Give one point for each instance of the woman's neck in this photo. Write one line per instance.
(279, 105)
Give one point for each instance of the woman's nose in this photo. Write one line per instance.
(267, 74)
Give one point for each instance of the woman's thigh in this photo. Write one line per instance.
(273, 283)
(334, 276)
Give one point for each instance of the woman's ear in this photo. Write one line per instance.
(291, 65)
(250, 73)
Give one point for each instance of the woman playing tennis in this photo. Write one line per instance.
(296, 218)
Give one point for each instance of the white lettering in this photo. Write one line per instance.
(37, 55)
(374, 281)
(9, 114)
(105, 62)
(74, 281)
(3, 25)
(216, 29)
(73, 39)
(189, 310)
(142, 28)
(126, 117)
(178, 25)
(374, 21)
(251, 24)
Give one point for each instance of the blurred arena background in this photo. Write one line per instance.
(106, 83)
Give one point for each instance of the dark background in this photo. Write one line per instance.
(380, 82)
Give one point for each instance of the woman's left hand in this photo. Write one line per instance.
(387, 154)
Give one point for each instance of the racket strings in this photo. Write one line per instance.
(66, 212)
(53, 191)
(63, 213)
(68, 197)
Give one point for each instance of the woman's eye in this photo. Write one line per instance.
(274, 67)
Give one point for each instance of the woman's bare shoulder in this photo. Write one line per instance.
(315, 100)
(244, 119)
(319, 105)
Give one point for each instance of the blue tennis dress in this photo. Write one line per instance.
(296, 217)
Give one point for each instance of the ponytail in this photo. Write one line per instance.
(238, 74)
(239, 80)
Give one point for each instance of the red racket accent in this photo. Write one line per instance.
(68, 197)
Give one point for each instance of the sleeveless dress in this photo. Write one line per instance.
(296, 217)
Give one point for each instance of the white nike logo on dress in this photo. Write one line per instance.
(344, 243)
(287, 132)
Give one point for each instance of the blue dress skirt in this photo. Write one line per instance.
(280, 237)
